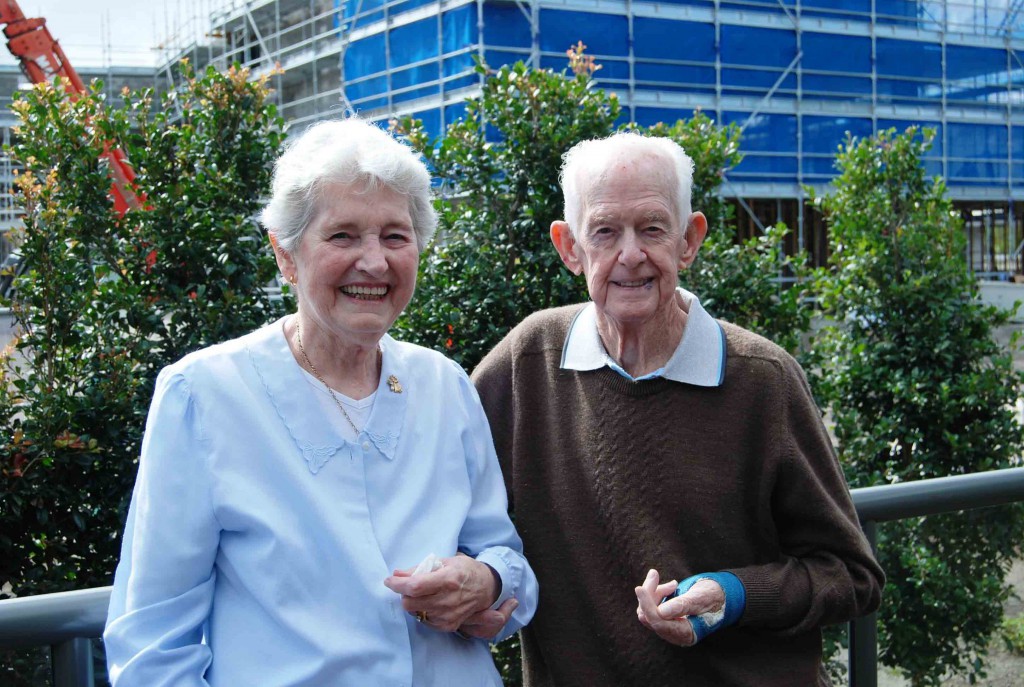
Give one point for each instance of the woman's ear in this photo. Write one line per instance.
(285, 263)
(565, 244)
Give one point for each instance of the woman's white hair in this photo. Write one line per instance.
(587, 161)
(346, 151)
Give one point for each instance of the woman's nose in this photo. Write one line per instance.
(371, 257)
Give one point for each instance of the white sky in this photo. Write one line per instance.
(120, 32)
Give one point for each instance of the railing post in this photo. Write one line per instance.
(72, 663)
(864, 633)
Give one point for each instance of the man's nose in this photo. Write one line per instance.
(631, 253)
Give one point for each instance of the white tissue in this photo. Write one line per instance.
(714, 617)
(428, 564)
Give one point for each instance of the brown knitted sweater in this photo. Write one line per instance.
(609, 478)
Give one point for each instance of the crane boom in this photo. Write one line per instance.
(43, 60)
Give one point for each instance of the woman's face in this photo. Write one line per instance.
(355, 266)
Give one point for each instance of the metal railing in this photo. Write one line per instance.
(911, 500)
(67, 620)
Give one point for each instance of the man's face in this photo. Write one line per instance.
(631, 244)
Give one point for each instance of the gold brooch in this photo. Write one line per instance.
(394, 384)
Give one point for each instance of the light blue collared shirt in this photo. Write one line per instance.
(699, 357)
(259, 537)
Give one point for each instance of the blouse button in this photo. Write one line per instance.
(366, 445)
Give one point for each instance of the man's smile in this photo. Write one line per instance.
(634, 283)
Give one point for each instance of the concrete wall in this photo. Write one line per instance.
(1003, 294)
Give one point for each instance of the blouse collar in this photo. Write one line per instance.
(313, 432)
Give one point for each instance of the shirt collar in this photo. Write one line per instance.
(699, 358)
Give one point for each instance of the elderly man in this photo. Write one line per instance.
(643, 441)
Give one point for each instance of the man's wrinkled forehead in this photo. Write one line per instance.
(607, 216)
(591, 182)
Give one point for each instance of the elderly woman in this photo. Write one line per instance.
(317, 503)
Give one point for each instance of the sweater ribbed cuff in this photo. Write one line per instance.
(735, 603)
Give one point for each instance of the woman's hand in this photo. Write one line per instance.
(459, 592)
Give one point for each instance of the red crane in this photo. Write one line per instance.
(43, 60)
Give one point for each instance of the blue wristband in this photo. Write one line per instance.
(735, 602)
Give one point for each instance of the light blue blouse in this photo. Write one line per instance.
(258, 538)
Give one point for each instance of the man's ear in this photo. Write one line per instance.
(285, 263)
(566, 246)
(693, 236)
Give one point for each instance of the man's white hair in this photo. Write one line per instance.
(346, 151)
(587, 161)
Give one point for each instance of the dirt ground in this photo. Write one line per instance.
(1005, 333)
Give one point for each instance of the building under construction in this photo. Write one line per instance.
(796, 75)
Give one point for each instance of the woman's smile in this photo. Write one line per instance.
(365, 293)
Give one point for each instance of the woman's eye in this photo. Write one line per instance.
(340, 235)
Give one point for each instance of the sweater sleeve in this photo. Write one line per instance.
(493, 381)
(826, 572)
(163, 588)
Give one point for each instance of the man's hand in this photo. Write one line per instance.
(487, 623)
(669, 619)
(461, 589)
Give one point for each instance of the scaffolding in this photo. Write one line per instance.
(797, 75)
(294, 41)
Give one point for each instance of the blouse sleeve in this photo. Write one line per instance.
(488, 533)
(163, 588)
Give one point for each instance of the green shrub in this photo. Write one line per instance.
(492, 263)
(917, 388)
(109, 300)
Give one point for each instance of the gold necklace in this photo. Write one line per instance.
(298, 336)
